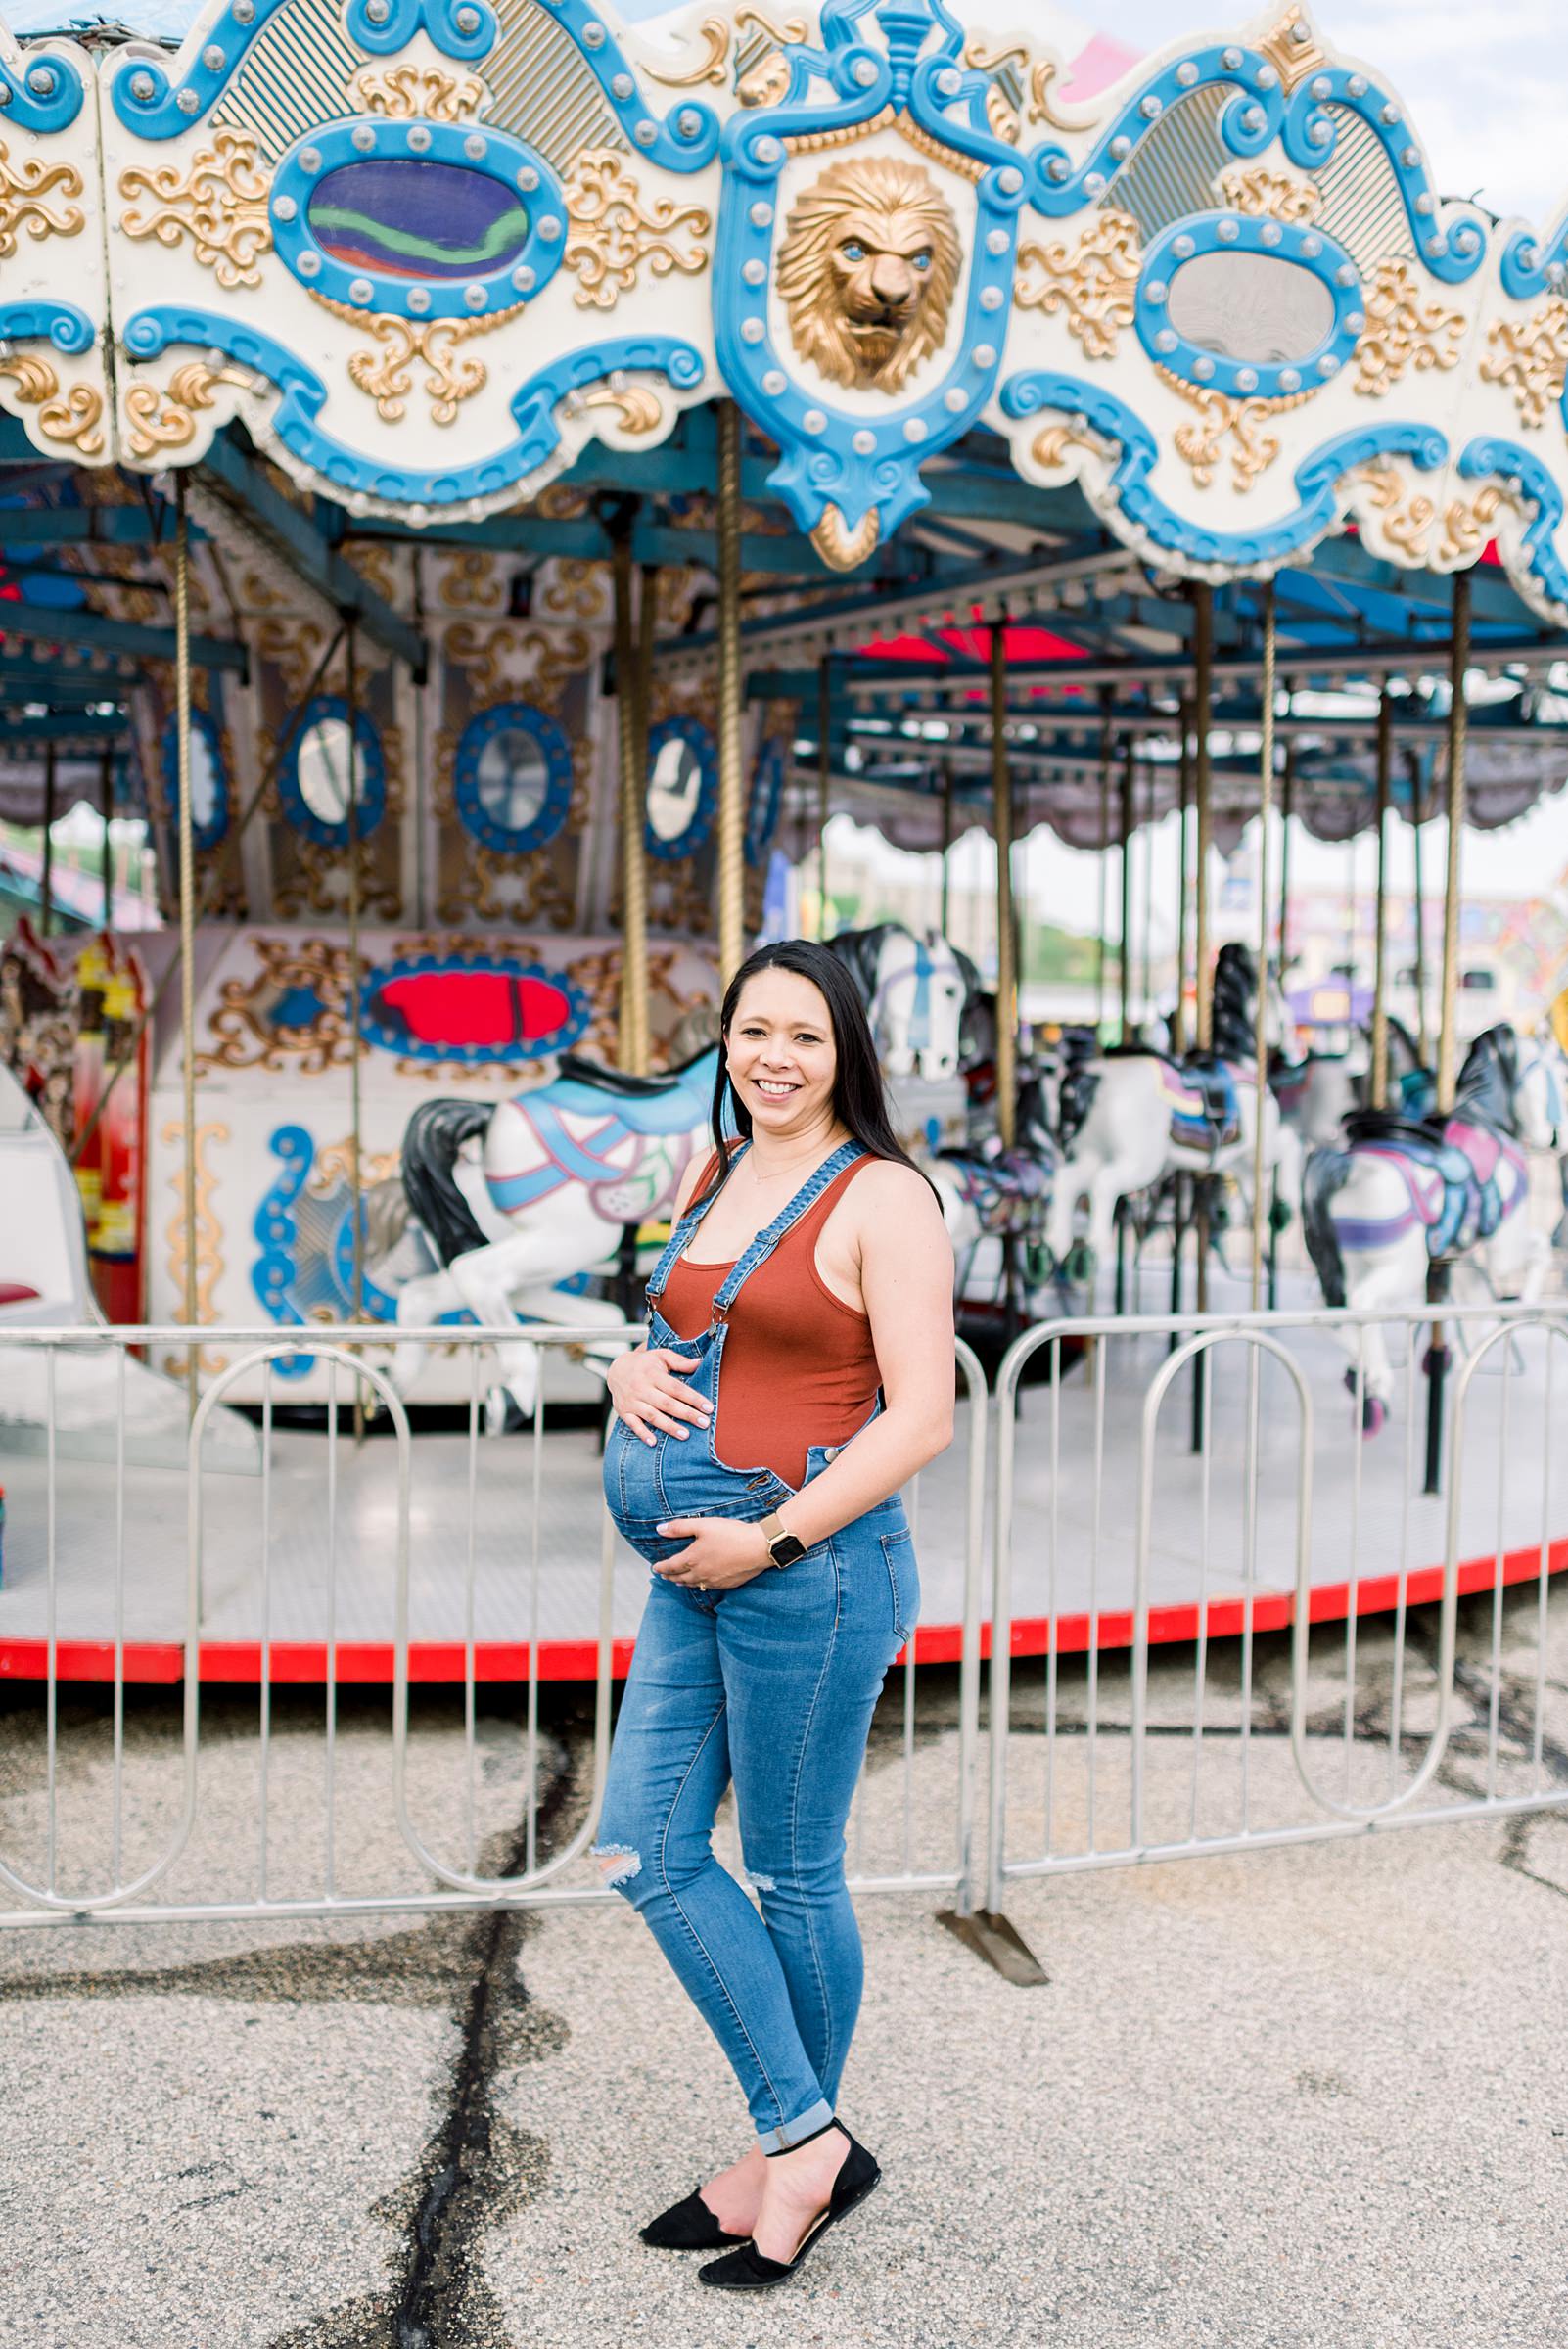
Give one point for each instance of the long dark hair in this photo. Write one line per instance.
(859, 1100)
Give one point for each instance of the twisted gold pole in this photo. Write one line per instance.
(1001, 783)
(731, 780)
(1202, 701)
(1178, 1018)
(187, 864)
(824, 788)
(631, 1034)
(1385, 754)
(1129, 826)
(1265, 809)
(1448, 1030)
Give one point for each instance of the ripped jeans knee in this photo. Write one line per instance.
(620, 1864)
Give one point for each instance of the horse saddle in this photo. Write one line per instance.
(588, 1089)
(1008, 1193)
(1208, 1113)
(1461, 1202)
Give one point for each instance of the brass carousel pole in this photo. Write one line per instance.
(1266, 810)
(1129, 826)
(46, 878)
(632, 1038)
(187, 869)
(106, 802)
(355, 1164)
(947, 842)
(1106, 698)
(1203, 995)
(647, 631)
(1419, 811)
(1001, 786)
(1150, 818)
(1448, 1000)
(1385, 751)
(1287, 809)
(824, 790)
(1178, 1019)
(731, 780)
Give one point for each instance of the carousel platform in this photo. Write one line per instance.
(301, 1564)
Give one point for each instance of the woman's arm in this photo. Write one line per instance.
(906, 1279)
(645, 1382)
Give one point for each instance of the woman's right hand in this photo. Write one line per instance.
(647, 1387)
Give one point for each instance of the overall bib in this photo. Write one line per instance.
(771, 1685)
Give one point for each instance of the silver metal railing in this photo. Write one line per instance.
(356, 1589)
(1211, 1600)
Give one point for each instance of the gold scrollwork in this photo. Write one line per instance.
(1292, 49)
(386, 375)
(714, 35)
(500, 658)
(839, 547)
(1219, 418)
(72, 417)
(163, 416)
(1094, 281)
(612, 231)
(578, 588)
(220, 203)
(635, 407)
(1531, 356)
(1262, 193)
(1049, 447)
(404, 92)
(209, 1234)
(1405, 515)
(23, 189)
(246, 1037)
(1467, 522)
(1403, 332)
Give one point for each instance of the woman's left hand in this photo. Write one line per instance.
(722, 1552)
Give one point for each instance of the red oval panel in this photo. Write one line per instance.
(458, 1008)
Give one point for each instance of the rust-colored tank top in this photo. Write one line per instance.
(799, 1364)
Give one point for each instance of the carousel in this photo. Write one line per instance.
(484, 485)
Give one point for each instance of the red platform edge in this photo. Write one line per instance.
(438, 1663)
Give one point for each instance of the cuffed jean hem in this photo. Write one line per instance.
(815, 2118)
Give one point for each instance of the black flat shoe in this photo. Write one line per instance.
(748, 2270)
(688, 2226)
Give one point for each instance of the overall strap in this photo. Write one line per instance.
(679, 1236)
(767, 1241)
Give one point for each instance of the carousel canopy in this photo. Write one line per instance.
(1015, 343)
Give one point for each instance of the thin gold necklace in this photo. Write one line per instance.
(794, 1166)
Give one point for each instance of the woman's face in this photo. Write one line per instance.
(781, 1054)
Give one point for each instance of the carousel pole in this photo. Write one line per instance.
(1266, 810)
(1423, 1034)
(1106, 699)
(824, 792)
(947, 842)
(1178, 1022)
(1203, 1003)
(632, 1042)
(1385, 748)
(46, 879)
(1287, 809)
(187, 871)
(1001, 785)
(1437, 1360)
(731, 780)
(351, 695)
(1128, 827)
(106, 802)
(1150, 818)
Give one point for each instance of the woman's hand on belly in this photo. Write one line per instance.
(722, 1552)
(645, 1387)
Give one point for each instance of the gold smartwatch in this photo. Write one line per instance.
(783, 1546)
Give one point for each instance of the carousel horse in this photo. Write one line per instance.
(1128, 1119)
(918, 992)
(1400, 1197)
(568, 1168)
(1319, 1091)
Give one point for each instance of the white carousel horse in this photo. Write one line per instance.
(1400, 1197)
(1130, 1119)
(1318, 1092)
(917, 992)
(1544, 1095)
(575, 1163)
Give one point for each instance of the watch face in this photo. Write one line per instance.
(785, 1548)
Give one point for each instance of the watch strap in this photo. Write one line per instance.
(783, 1546)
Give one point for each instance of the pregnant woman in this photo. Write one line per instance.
(798, 1370)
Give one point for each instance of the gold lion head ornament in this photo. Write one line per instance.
(868, 269)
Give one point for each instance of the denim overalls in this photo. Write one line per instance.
(771, 1685)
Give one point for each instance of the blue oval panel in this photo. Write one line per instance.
(407, 216)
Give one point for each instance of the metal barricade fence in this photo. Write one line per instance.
(1212, 1595)
(235, 1554)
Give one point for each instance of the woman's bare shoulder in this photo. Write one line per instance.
(885, 1191)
